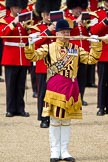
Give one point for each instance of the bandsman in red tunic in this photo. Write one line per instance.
(99, 26)
(43, 28)
(2, 13)
(35, 19)
(75, 9)
(92, 7)
(13, 58)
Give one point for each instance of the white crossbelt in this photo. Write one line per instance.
(14, 44)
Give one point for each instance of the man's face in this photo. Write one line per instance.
(76, 11)
(46, 17)
(15, 10)
(63, 33)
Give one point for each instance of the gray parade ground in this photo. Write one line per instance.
(22, 139)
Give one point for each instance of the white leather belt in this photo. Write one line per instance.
(14, 44)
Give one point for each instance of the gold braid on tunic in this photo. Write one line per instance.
(64, 60)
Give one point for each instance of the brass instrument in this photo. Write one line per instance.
(27, 24)
(2, 3)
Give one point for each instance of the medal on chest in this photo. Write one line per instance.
(72, 51)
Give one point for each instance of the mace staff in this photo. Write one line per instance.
(70, 37)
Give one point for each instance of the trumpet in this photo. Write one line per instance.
(28, 23)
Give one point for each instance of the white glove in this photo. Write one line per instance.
(93, 38)
(106, 37)
(15, 20)
(34, 37)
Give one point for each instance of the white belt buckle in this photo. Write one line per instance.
(21, 45)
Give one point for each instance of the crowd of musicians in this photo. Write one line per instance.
(60, 68)
(97, 11)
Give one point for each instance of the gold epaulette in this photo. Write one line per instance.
(2, 3)
(40, 23)
(36, 13)
(33, 5)
(101, 4)
(32, 2)
(94, 14)
(28, 9)
(34, 9)
(71, 24)
(35, 28)
(2, 21)
(63, 8)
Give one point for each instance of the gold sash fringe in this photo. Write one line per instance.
(72, 109)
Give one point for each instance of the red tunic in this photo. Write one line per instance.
(13, 54)
(40, 65)
(93, 4)
(77, 31)
(101, 29)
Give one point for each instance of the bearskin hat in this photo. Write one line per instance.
(47, 5)
(77, 3)
(18, 3)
